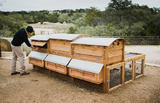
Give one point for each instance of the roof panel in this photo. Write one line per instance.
(37, 55)
(57, 59)
(64, 36)
(86, 66)
(40, 37)
(94, 41)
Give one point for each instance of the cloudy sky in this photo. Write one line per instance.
(31, 5)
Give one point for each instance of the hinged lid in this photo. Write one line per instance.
(37, 55)
(65, 36)
(58, 59)
(86, 66)
(95, 41)
(38, 43)
(40, 37)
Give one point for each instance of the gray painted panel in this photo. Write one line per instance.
(94, 41)
(40, 37)
(64, 36)
(92, 67)
(58, 59)
(37, 55)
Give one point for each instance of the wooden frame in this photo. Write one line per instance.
(37, 62)
(56, 67)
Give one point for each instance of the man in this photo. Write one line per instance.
(20, 37)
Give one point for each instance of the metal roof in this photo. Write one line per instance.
(37, 55)
(94, 41)
(86, 66)
(64, 36)
(40, 37)
(57, 59)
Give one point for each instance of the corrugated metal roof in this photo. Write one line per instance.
(94, 41)
(37, 55)
(64, 36)
(86, 66)
(40, 37)
(58, 59)
(130, 55)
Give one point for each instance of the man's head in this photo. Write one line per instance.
(29, 29)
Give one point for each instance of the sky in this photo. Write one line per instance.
(36, 5)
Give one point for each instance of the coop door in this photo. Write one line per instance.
(115, 77)
(138, 67)
(128, 71)
(39, 44)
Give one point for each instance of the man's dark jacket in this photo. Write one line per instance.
(20, 37)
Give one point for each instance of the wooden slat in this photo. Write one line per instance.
(115, 53)
(89, 50)
(60, 45)
(114, 59)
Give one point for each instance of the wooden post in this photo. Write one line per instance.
(143, 65)
(123, 74)
(133, 70)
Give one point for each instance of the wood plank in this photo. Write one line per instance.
(114, 59)
(89, 58)
(60, 45)
(115, 53)
(89, 50)
(38, 43)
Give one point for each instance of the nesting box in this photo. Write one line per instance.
(60, 44)
(37, 58)
(57, 63)
(85, 70)
(41, 42)
(102, 50)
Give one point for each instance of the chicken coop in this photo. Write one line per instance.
(101, 63)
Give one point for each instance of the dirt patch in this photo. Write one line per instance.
(42, 88)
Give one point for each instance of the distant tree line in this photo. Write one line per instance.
(120, 18)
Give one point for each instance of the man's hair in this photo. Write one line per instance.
(29, 29)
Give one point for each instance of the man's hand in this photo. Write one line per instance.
(32, 46)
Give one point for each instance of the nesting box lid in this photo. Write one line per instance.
(86, 66)
(69, 37)
(37, 55)
(40, 37)
(57, 59)
(95, 41)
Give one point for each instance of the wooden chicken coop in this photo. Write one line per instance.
(60, 44)
(97, 62)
